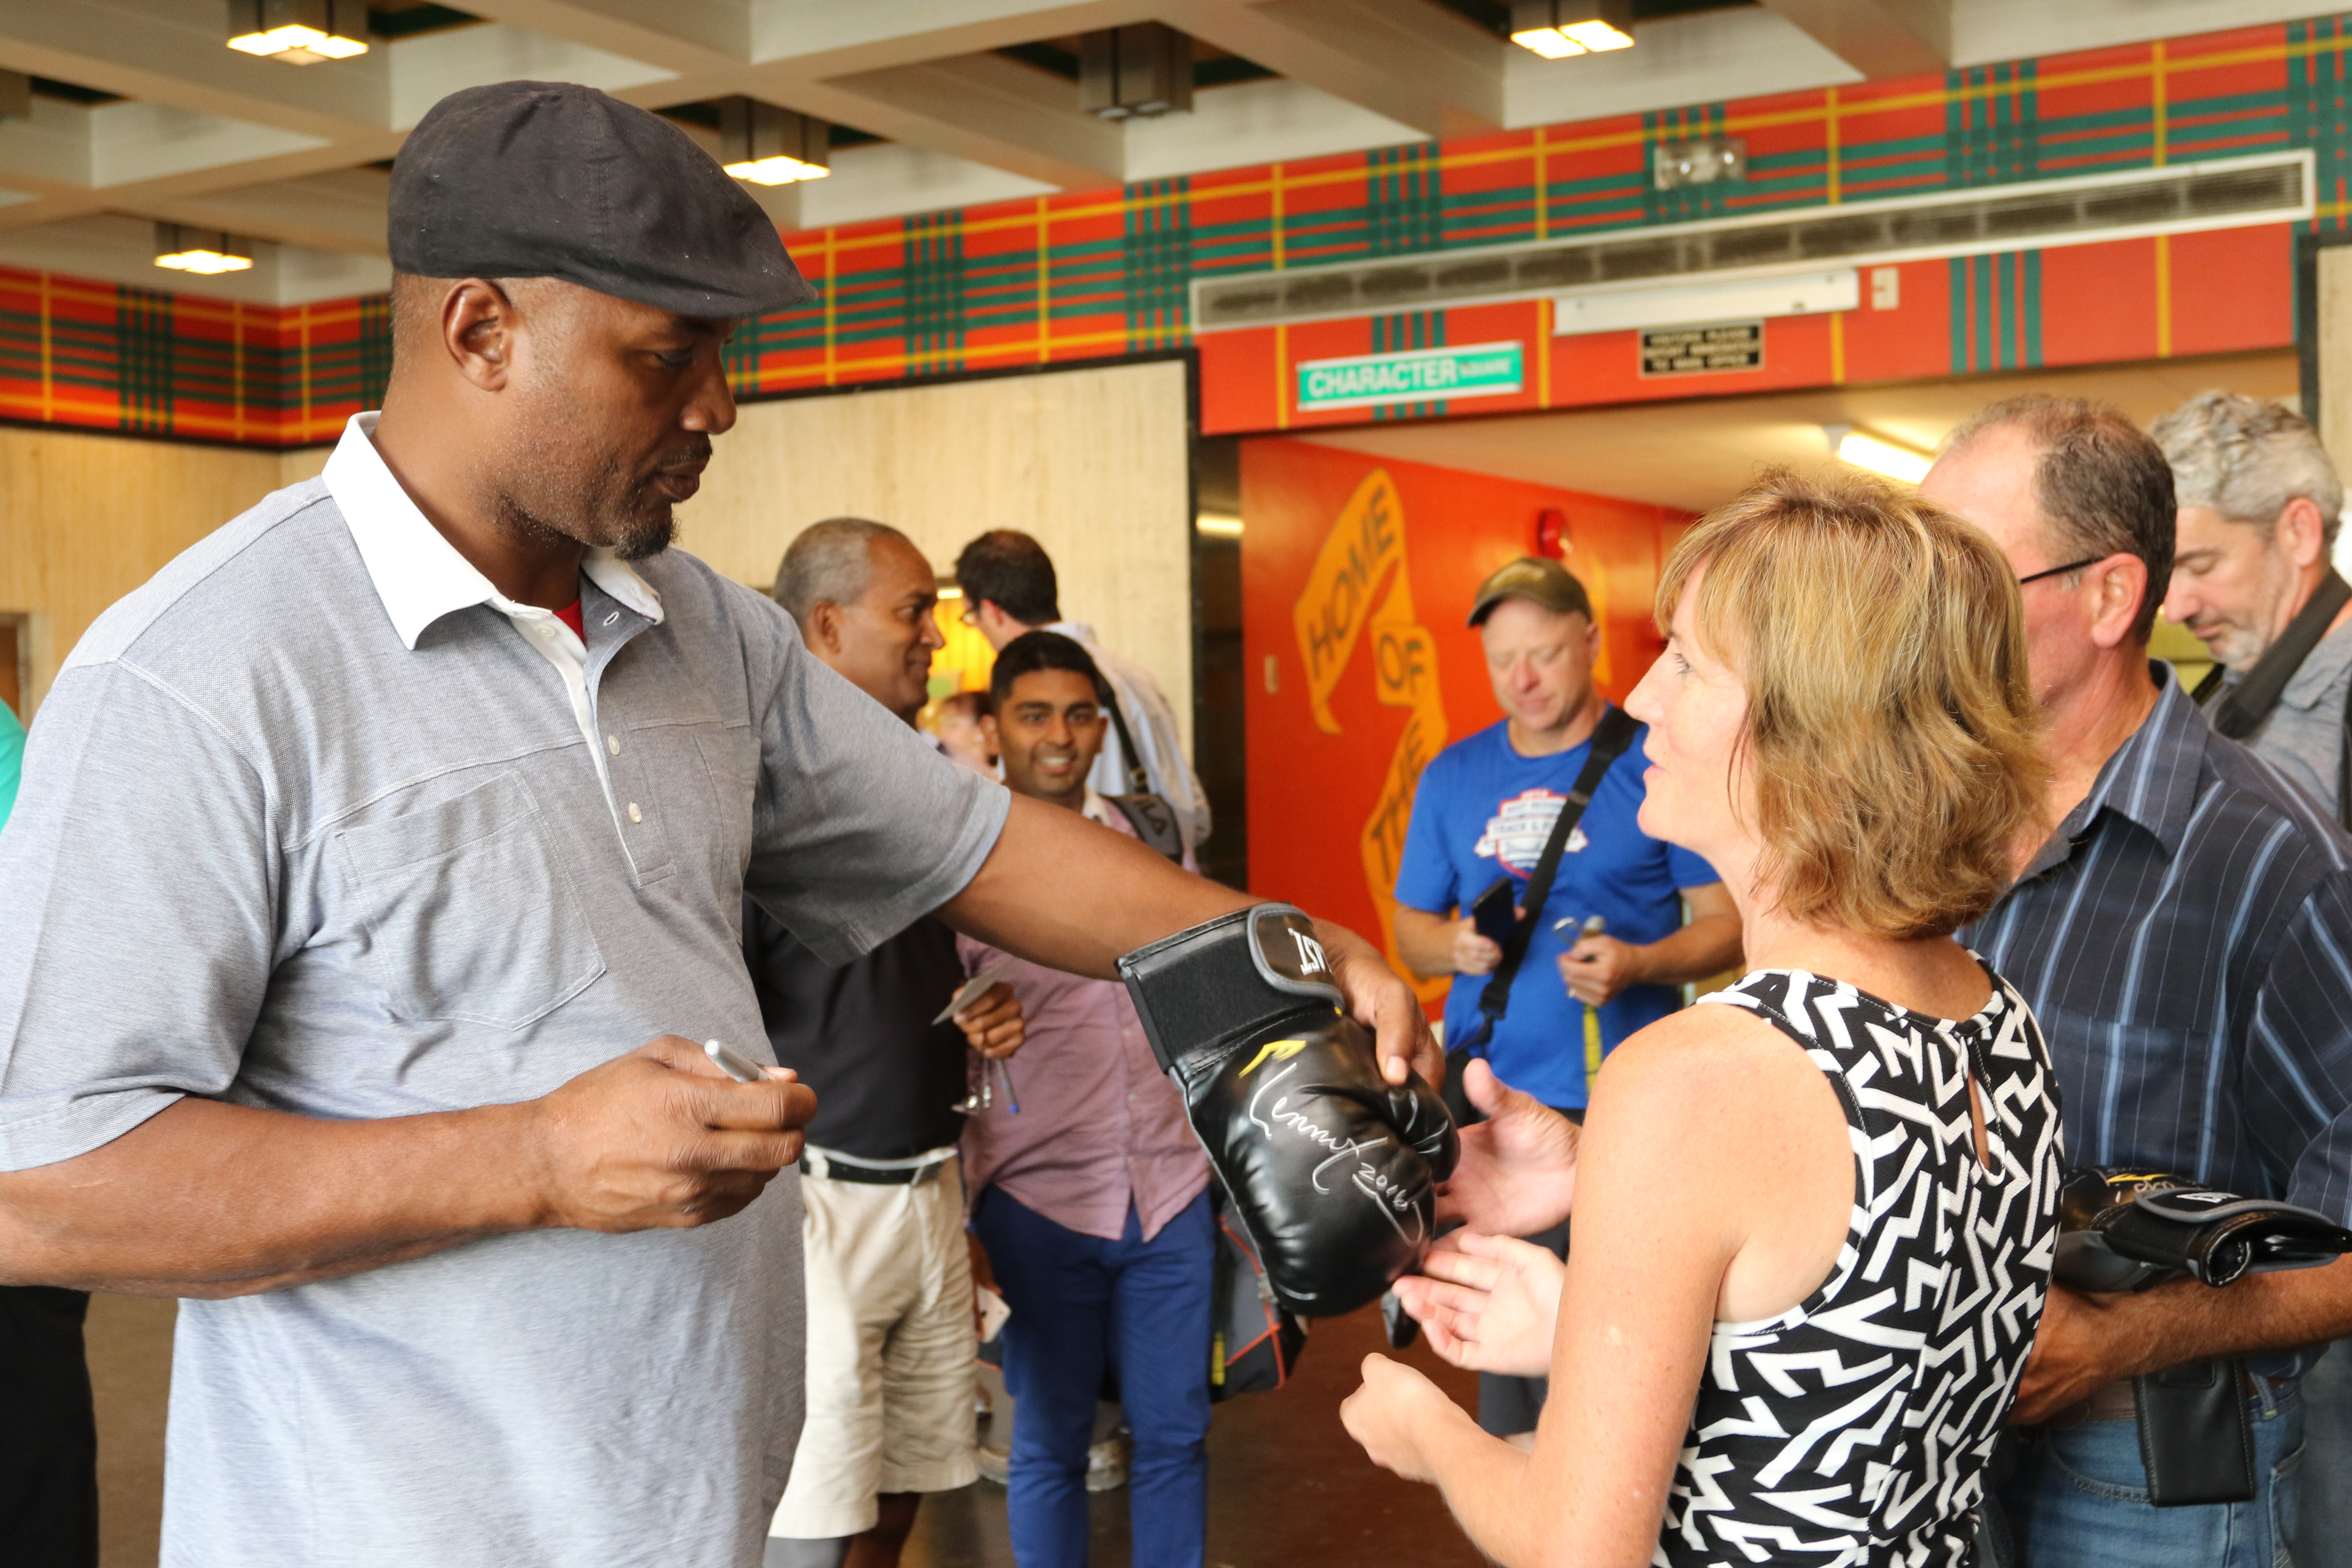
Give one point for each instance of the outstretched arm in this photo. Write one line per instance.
(1073, 895)
(1669, 1235)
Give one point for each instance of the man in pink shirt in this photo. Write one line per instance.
(1091, 1198)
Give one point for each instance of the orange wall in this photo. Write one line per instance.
(1357, 577)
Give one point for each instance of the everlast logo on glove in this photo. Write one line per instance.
(1332, 1172)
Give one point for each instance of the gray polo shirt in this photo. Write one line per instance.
(311, 822)
(2303, 736)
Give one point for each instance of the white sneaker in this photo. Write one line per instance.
(1107, 1464)
(996, 1465)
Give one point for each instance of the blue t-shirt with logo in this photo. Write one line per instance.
(1481, 811)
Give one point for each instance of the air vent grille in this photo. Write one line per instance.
(2186, 197)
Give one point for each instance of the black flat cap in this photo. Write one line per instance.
(544, 179)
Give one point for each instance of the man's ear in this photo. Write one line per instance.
(2302, 532)
(824, 632)
(480, 331)
(2118, 583)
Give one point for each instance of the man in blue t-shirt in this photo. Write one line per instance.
(1484, 810)
(1486, 806)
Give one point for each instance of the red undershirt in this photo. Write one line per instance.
(570, 616)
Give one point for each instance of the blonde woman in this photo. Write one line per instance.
(1813, 1216)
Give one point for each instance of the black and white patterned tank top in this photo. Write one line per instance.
(1852, 1429)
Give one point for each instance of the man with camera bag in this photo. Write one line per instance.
(1524, 859)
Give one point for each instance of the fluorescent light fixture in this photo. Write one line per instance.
(299, 32)
(1877, 454)
(1562, 29)
(205, 250)
(1549, 42)
(1218, 526)
(1597, 36)
(766, 145)
(950, 593)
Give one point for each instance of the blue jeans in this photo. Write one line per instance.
(1080, 1303)
(2322, 1530)
(2079, 1499)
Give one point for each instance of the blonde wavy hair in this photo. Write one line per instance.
(1891, 724)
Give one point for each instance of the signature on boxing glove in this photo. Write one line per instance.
(1392, 1197)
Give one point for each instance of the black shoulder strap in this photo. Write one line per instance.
(1139, 777)
(1154, 821)
(2248, 703)
(1611, 736)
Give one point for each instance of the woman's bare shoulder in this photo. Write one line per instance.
(1712, 1064)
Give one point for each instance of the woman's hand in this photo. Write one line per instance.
(1490, 1303)
(1391, 1414)
(1517, 1170)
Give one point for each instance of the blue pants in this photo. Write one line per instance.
(2323, 1531)
(1079, 1304)
(2079, 1499)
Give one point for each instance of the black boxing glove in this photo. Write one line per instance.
(2122, 1231)
(1332, 1171)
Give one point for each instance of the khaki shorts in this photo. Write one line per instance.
(889, 1352)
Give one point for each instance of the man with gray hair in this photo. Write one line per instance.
(889, 1278)
(2177, 937)
(2250, 576)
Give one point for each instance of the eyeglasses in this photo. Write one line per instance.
(2054, 570)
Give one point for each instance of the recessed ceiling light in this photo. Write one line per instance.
(205, 250)
(1877, 454)
(299, 32)
(1562, 29)
(1140, 72)
(767, 145)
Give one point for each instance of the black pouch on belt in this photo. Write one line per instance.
(2196, 1435)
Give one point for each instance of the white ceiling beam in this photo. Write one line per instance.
(341, 210)
(1405, 60)
(682, 36)
(832, 38)
(982, 107)
(426, 70)
(149, 197)
(1880, 38)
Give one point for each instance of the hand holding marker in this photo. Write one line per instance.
(971, 992)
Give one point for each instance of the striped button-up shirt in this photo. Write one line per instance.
(2185, 940)
(1099, 1129)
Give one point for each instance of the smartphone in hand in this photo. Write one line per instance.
(1495, 913)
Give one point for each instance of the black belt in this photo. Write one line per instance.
(828, 1166)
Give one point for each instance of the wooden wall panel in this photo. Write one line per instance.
(2335, 349)
(89, 518)
(1094, 463)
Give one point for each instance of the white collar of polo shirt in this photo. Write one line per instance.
(417, 573)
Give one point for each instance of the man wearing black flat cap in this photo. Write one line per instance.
(357, 849)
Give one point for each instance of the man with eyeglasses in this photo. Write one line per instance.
(2181, 935)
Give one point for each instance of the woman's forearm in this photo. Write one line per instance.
(1485, 1481)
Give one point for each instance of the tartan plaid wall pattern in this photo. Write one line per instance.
(1093, 274)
